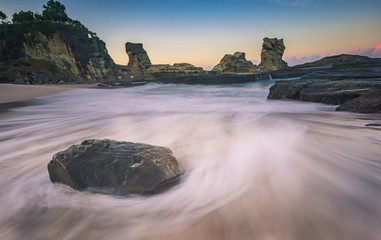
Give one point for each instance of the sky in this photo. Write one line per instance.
(202, 32)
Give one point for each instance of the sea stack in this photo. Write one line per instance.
(138, 58)
(271, 55)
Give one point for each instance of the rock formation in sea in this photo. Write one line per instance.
(271, 59)
(115, 167)
(141, 66)
(138, 59)
(235, 63)
(351, 81)
(271, 55)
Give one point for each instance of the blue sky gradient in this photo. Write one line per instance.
(201, 32)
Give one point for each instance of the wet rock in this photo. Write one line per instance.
(355, 95)
(367, 103)
(115, 167)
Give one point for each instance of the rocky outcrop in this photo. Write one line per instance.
(159, 71)
(351, 94)
(236, 63)
(370, 102)
(190, 69)
(115, 167)
(82, 57)
(333, 67)
(338, 61)
(141, 66)
(271, 55)
(138, 59)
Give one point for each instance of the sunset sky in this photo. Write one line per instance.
(202, 32)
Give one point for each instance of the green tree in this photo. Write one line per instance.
(22, 17)
(3, 17)
(55, 11)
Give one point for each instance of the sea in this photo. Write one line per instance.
(252, 168)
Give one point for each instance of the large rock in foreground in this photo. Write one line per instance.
(115, 167)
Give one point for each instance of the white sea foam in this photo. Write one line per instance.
(253, 168)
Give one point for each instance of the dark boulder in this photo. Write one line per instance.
(115, 167)
(367, 103)
(355, 95)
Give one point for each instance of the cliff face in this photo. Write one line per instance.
(82, 58)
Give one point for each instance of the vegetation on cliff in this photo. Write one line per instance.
(32, 43)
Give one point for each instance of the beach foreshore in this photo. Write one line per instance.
(10, 93)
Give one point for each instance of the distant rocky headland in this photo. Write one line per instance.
(53, 49)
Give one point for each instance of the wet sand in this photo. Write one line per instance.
(16, 93)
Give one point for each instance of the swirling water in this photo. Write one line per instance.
(253, 168)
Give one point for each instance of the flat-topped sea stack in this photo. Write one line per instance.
(271, 55)
(138, 58)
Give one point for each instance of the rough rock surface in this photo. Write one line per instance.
(271, 55)
(138, 58)
(178, 69)
(236, 63)
(330, 91)
(82, 57)
(370, 102)
(115, 167)
(190, 69)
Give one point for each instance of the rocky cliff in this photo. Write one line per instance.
(75, 55)
(236, 63)
(271, 55)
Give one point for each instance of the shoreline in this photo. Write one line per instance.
(14, 93)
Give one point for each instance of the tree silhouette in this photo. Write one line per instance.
(2, 16)
(54, 11)
(22, 17)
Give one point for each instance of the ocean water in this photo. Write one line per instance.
(253, 168)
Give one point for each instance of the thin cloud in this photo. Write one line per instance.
(292, 61)
(375, 51)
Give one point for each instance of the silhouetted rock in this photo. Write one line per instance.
(271, 55)
(115, 167)
(236, 63)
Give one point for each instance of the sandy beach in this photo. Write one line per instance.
(16, 93)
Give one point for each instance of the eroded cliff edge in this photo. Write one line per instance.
(50, 53)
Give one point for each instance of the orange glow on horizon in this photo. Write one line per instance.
(377, 48)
